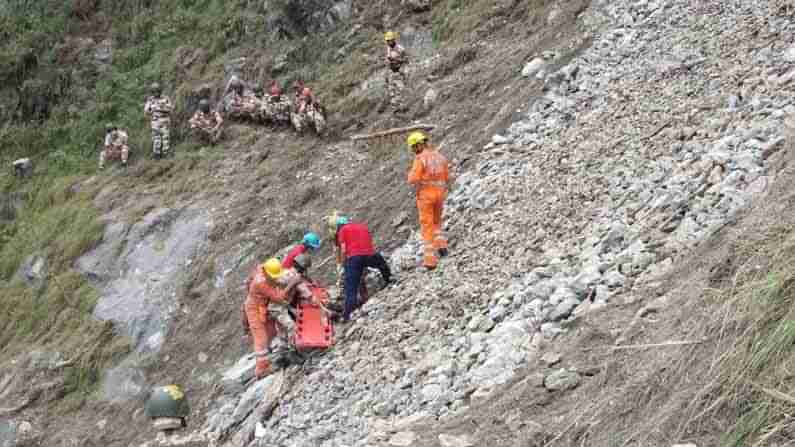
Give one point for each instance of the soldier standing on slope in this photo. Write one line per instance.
(396, 58)
(159, 108)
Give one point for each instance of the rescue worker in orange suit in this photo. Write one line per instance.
(430, 175)
(356, 252)
(266, 289)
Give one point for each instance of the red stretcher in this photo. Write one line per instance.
(313, 328)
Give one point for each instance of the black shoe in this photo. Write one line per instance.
(334, 307)
(443, 252)
(281, 360)
(157, 156)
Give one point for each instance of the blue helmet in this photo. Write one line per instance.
(342, 220)
(311, 240)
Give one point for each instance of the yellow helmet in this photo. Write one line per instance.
(273, 268)
(390, 36)
(416, 138)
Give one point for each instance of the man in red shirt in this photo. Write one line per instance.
(355, 252)
(310, 243)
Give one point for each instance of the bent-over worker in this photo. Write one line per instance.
(266, 303)
(356, 252)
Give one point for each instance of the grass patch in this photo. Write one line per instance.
(454, 20)
(57, 221)
(748, 378)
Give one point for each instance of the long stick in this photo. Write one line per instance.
(653, 345)
(384, 133)
(659, 345)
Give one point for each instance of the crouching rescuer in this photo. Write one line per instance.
(356, 252)
(266, 306)
(430, 175)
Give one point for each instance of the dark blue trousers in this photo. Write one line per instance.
(354, 268)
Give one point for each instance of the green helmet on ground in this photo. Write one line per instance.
(167, 402)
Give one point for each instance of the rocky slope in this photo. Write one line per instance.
(639, 136)
(641, 147)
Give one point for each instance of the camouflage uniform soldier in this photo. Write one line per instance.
(159, 109)
(396, 58)
(307, 110)
(238, 104)
(207, 124)
(259, 113)
(276, 106)
(115, 146)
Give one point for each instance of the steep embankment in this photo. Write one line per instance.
(642, 148)
(637, 197)
(179, 236)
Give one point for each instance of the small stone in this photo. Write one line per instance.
(24, 428)
(400, 219)
(497, 313)
(499, 139)
(535, 380)
(561, 380)
(430, 98)
(234, 378)
(23, 167)
(533, 67)
(563, 309)
(279, 63)
(614, 279)
(789, 54)
(550, 330)
(203, 357)
(481, 395)
(551, 358)
(403, 439)
(455, 441)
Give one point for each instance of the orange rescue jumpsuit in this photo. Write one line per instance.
(263, 329)
(430, 175)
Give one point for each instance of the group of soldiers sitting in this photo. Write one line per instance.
(252, 104)
(238, 103)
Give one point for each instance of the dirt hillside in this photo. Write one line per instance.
(619, 229)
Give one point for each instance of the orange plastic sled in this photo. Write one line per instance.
(313, 328)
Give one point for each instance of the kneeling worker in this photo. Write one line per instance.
(266, 304)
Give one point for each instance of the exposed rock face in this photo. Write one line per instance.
(139, 268)
(33, 271)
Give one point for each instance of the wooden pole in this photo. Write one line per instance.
(398, 130)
